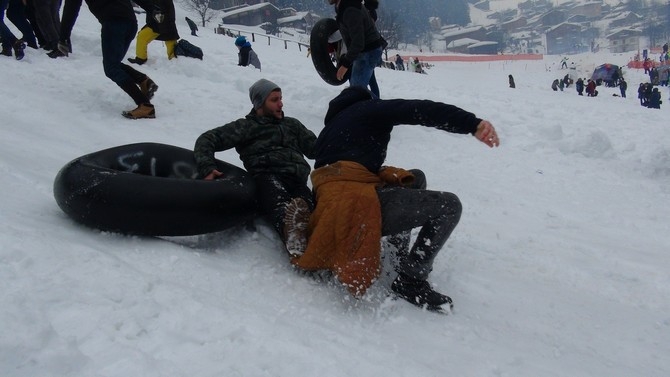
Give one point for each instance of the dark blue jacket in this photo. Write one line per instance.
(358, 128)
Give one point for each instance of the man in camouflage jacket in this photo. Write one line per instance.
(273, 149)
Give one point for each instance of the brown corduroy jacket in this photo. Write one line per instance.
(345, 227)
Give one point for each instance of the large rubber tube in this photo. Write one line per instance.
(318, 44)
(151, 189)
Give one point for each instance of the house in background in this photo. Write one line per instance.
(224, 4)
(251, 15)
(298, 20)
(451, 34)
(591, 9)
(565, 38)
(625, 40)
(625, 19)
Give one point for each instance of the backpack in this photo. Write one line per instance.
(186, 48)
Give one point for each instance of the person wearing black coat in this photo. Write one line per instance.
(623, 85)
(579, 86)
(118, 28)
(192, 26)
(655, 99)
(363, 41)
(161, 25)
(357, 131)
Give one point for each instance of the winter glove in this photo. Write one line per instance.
(396, 176)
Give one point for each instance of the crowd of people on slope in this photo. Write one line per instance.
(349, 181)
(649, 95)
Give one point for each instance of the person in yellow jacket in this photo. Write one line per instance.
(358, 200)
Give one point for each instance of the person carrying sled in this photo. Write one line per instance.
(161, 25)
(192, 26)
(358, 200)
(246, 54)
(273, 148)
(362, 39)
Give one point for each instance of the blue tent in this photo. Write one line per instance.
(605, 72)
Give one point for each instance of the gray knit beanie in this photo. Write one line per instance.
(260, 91)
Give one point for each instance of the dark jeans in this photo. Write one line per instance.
(437, 213)
(116, 37)
(69, 17)
(274, 192)
(48, 20)
(8, 37)
(16, 13)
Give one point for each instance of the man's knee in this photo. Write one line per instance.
(419, 179)
(451, 204)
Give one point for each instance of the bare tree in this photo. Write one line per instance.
(201, 7)
(389, 27)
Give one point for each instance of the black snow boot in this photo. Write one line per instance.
(136, 60)
(419, 293)
(19, 46)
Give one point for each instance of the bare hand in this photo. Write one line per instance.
(341, 72)
(487, 134)
(213, 175)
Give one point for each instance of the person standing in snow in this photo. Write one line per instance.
(359, 200)
(246, 55)
(363, 41)
(192, 26)
(591, 88)
(655, 99)
(161, 24)
(623, 85)
(399, 63)
(118, 28)
(273, 148)
(511, 81)
(579, 86)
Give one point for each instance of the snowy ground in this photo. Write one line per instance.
(559, 266)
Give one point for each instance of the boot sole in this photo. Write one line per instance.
(130, 116)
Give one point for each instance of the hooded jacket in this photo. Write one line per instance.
(358, 128)
(358, 30)
(247, 56)
(346, 226)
